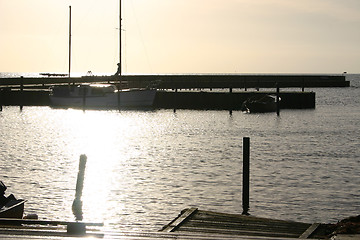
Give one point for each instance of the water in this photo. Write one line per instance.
(145, 167)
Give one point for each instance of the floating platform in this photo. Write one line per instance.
(183, 91)
(191, 223)
(195, 100)
(206, 222)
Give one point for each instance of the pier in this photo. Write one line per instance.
(181, 91)
(196, 100)
(191, 223)
(193, 81)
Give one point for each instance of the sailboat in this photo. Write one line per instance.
(107, 96)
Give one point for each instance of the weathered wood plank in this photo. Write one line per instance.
(310, 231)
(172, 226)
(237, 232)
(236, 224)
(248, 226)
(11, 221)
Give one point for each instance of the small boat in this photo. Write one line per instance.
(101, 96)
(259, 104)
(13, 209)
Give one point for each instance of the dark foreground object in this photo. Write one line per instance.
(202, 81)
(206, 222)
(175, 100)
(190, 224)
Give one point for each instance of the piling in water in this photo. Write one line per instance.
(77, 204)
(246, 175)
(277, 99)
(21, 93)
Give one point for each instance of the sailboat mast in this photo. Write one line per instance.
(69, 42)
(120, 62)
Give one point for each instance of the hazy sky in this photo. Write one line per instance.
(182, 36)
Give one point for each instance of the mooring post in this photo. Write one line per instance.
(303, 85)
(230, 101)
(176, 90)
(1, 90)
(21, 92)
(77, 204)
(277, 99)
(78, 228)
(246, 175)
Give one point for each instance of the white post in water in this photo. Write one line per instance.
(78, 228)
(77, 204)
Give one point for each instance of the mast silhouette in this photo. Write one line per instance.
(120, 62)
(69, 42)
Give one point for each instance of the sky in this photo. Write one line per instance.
(181, 36)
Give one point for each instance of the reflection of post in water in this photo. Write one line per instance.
(77, 204)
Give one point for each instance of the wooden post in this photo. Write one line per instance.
(230, 101)
(303, 84)
(77, 204)
(176, 90)
(21, 92)
(1, 91)
(277, 99)
(246, 175)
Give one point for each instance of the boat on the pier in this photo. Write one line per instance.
(259, 104)
(101, 96)
(13, 209)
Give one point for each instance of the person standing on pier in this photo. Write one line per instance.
(118, 70)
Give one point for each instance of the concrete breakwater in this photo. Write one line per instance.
(193, 81)
(174, 100)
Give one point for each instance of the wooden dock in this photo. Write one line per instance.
(206, 222)
(194, 100)
(183, 91)
(191, 223)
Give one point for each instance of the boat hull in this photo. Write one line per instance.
(122, 99)
(260, 107)
(13, 209)
(260, 104)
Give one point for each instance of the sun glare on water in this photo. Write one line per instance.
(104, 137)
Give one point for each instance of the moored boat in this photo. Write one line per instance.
(101, 96)
(260, 104)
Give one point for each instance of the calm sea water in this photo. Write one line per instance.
(145, 167)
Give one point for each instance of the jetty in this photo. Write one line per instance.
(181, 91)
(193, 81)
(191, 223)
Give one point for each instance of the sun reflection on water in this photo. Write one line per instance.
(109, 140)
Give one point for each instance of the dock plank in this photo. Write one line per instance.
(236, 224)
(310, 231)
(172, 226)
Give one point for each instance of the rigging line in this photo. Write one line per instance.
(141, 37)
